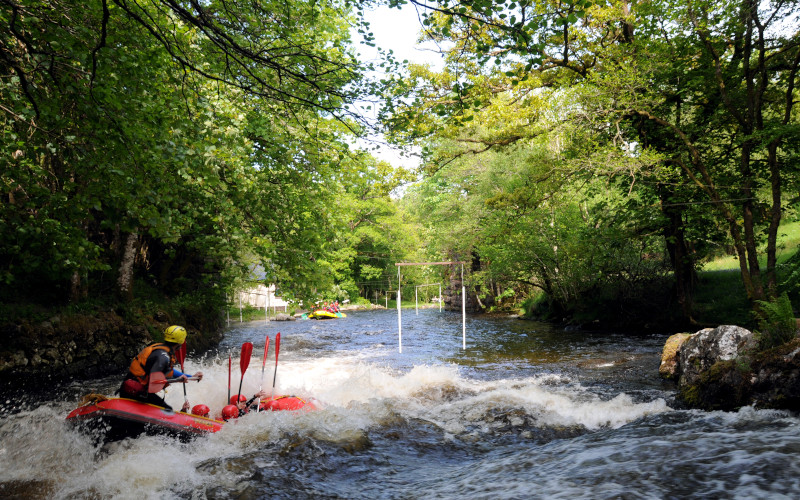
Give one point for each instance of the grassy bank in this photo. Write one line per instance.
(720, 297)
(788, 243)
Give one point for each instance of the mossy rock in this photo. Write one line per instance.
(669, 356)
(776, 377)
(725, 386)
(769, 379)
(87, 346)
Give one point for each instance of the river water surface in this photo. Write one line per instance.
(526, 411)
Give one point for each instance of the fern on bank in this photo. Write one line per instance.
(776, 321)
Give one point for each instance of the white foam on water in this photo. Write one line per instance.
(356, 396)
(142, 468)
(36, 445)
(696, 455)
(545, 403)
(343, 381)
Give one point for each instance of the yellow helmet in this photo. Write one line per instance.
(175, 334)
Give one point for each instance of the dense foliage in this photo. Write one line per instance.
(170, 145)
(592, 151)
(594, 143)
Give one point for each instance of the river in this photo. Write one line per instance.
(526, 411)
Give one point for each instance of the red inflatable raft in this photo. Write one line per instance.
(289, 403)
(112, 419)
(117, 418)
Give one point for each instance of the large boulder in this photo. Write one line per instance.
(722, 369)
(710, 345)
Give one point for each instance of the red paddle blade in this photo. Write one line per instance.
(181, 354)
(157, 382)
(244, 359)
(277, 347)
(266, 350)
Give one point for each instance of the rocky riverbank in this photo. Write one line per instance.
(722, 369)
(83, 346)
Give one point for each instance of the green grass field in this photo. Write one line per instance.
(788, 241)
(720, 297)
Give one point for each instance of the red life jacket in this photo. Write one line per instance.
(138, 363)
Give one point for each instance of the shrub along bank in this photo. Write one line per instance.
(39, 343)
(719, 299)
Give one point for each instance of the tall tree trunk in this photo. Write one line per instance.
(125, 278)
(775, 218)
(680, 257)
(750, 246)
(75, 287)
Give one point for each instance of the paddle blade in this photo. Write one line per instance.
(277, 347)
(266, 350)
(157, 382)
(244, 359)
(181, 354)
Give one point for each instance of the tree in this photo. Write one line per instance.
(164, 142)
(639, 75)
(371, 233)
(723, 101)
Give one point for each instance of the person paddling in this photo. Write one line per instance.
(246, 406)
(201, 410)
(153, 364)
(239, 405)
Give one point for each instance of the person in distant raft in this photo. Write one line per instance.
(158, 357)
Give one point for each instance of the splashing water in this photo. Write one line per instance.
(526, 411)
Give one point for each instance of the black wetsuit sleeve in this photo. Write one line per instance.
(250, 402)
(158, 361)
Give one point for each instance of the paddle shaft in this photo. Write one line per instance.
(158, 380)
(263, 365)
(275, 375)
(176, 380)
(181, 357)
